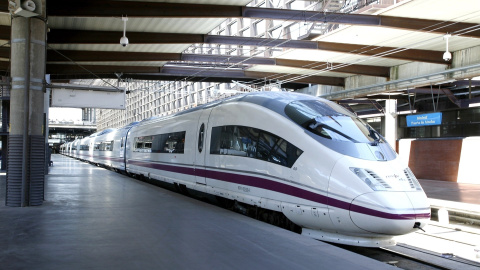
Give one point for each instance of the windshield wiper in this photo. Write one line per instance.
(374, 135)
(313, 124)
(334, 120)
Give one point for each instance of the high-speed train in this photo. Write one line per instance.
(308, 158)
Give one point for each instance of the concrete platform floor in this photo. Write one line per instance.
(451, 191)
(93, 218)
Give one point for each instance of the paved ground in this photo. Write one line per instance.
(450, 191)
(97, 219)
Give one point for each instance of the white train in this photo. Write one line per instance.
(308, 158)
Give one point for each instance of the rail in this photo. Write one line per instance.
(448, 211)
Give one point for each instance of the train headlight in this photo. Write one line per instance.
(370, 178)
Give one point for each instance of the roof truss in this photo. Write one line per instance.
(64, 36)
(102, 56)
(94, 8)
(186, 73)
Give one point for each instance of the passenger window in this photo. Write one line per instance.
(249, 141)
(169, 143)
(143, 144)
(253, 143)
(279, 154)
(266, 142)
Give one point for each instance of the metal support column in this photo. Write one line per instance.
(391, 122)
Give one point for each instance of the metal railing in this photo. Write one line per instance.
(5, 88)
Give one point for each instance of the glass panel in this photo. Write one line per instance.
(331, 121)
(279, 155)
(169, 143)
(266, 142)
(143, 144)
(251, 142)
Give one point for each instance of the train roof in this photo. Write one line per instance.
(275, 101)
(130, 125)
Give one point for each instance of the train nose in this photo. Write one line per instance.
(391, 213)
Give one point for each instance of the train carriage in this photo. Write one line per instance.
(308, 158)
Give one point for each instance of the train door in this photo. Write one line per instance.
(200, 147)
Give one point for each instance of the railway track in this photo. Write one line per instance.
(439, 247)
(394, 258)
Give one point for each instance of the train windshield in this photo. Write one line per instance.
(331, 121)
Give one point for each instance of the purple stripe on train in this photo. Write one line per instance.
(102, 157)
(263, 183)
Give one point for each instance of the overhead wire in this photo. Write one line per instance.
(393, 51)
(374, 47)
(82, 67)
(279, 76)
(264, 43)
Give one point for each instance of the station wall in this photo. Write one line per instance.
(445, 159)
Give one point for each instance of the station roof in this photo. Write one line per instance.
(83, 39)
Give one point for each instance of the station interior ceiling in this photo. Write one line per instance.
(387, 49)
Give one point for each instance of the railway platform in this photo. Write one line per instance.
(93, 218)
(454, 232)
(453, 202)
(451, 191)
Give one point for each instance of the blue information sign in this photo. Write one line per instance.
(429, 119)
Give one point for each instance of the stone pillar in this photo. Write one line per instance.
(26, 145)
(391, 122)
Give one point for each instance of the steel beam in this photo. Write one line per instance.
(4, 7)
(108, 56)
(260, 42)
(356, 101)
(4, 66)
(94, 8)
(434, 92)
(103, 56)
(335, 81)
(387, 52)
(378, 71)
(5, 32)
(432, 26)
(386, 96)
(5, 52)
(164, 77)
(185, 73)
(426, 91)
(104, 8)
(310, 16)
(72, 70)
(64, 36)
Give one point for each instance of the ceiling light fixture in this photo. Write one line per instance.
(124, 39)
(447, 56)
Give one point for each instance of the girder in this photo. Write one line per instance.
(64, 36)
(93, 8)
(102, 56)
(185, 73)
